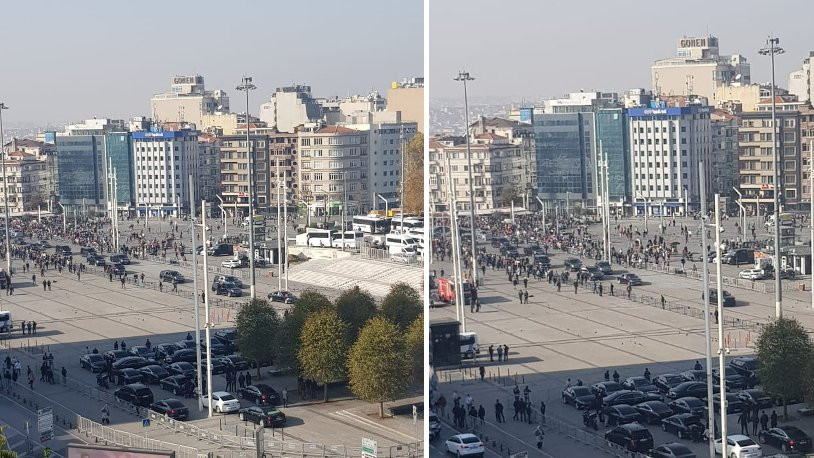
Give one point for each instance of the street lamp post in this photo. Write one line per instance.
(464, 77)
(386, 204)
(222, 214)
(64, 218)
(5, 190)
(771, 50)
(704, 296)
(247, 86)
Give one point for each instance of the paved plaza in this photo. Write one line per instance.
(562, 335)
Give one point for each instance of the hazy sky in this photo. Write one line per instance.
(531, 48)
(67, 60)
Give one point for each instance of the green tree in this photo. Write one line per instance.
(287, 342)
(256, 324)
(378, 368)
(784, 351)
(4, 450)
(414, 347)
(323, 350)
(401, 305)
(509, 194)
(355, 307)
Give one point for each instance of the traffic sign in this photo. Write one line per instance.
(45, 423)
(145, 422)
(368, 448)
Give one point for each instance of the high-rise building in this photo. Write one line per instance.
(234, 172)
(698, 69)
(407, 96)
(806, 145)
(290, 107)
(724, 158)
(119, 148)
(28, 182)
(613, 141)
(517, 133)
(207, 171)
(188, 101)
(802, 81)
(333, 167)
(666, 145)
(163, 162)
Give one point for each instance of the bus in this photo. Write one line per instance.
(469, 345)
(5, 321)
(350, 239)
(371, 224)
(315, 237)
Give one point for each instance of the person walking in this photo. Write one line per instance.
(505, 352)
(755, 422)
(542, 412)
(491, 353)
(526, 296)
(482, 372)
(499, 412)
(764, 421)
(285, 397)
(576, 286)
(743, 420)
(773, 419)
(106, 415)
(241, 380)
(499, 353)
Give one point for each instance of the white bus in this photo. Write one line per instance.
(469, 345)
(5, 321)
(315, 237)
(371, 224)
(350, 239)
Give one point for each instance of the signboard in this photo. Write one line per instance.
(45, 423)
(145, 422)
(368, 448)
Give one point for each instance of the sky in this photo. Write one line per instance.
(64, 61)
(549, 48)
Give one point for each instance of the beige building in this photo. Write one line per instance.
(188, 101)
(234, 173)
(806, 145)
(282, 149)
(28, 182)
(407, 97)
(698, 69)
(517, 133)
(495, 171)
(333, 166)
(801, 81)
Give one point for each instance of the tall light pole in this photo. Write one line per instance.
(196, 307)
(811, 219)
(721, 349)
(5, 190)
(64, 218)
(247, 86)
(222, 214)
(464, 77)
(771, 50)
(705, 297)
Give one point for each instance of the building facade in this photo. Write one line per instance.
(290, 107)
(724, 154)
(81, 172)
(207, 170)
(163, 163)
(613, 143)
(517, 133)
(27, 184)
(187, 101)
(801, 81)
(119, 150)
(407, 96)
(234, 173)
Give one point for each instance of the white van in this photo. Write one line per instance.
(404, 254)
(350, 239)
(400, 240)
(469, 345)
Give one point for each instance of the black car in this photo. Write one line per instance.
(218, 349)
(117, 269)
(115, 355)
(217, 366)
(573, 264)
(120, 259)
(639, 383)
(692, 389)
(665, 382)
(728, 300)
(593, 272)
(683, 424)
(746, 366)
(605, 267)
(630, 279)
(169, 275)
(606, 388)
(542, 261)
(164, 350)
(153, 373)
(632, 436)
(172, 408)
(653, 411)
(144, 352)
(528, 250)
(189, 356)
(694, 375)
(264, 416)
(259, 394)
(578, 396)
(185, 344)
(182, 368)
(130, 362)
(629, 397)
(671, 450)
(787, 438)
(136, 394)
(228, 289)
(498, 241)
(128, 376)
(97, 261)
(176, 384)
(755, 397)
(93, 362)
(689, 405)
(734, 380)
(282, 296)
(228, 338)
(733, 403)
(234, 362)
(621, 414)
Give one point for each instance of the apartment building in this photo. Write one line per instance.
(234, 172)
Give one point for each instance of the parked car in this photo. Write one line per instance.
(128, 376)
(629, 397)
(228, 338)
(689, 405)
(578, 396)
(671, 450)
(640, 383)
(136, 394)
(630, 279)
(605, 267)
(217, 348)
(728, 298)
(573, 264)
(115, 355)
(755, 397)
(692, 389)
(171, 407)
(684, 425)
(217, 366)
(93, 362)
(234, 362)
(464, 444)
(632, 436)
(231, 263)
(739, 446)
(175, 384)
(153, 373)
(282, 296)
(606, 388)
(129, 362)
(746, 366)
(222, 402)
(120, 259)
(186, 355)
(259, 393)
(734, 380)
(751, 274)
(170, 275)
(593, 272)
(733, 403)
(117, 270)
(164, 350)
(694, 375)
(264, 416)
(228, 289)
(182, 368)
(787, 438)
(621, 414)
(665, 382)
(653, 411)
(144, 352)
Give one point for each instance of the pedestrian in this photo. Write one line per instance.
(499, 353)
(30, 379)
(611, 289)
(516, 392)
(743, 420)
(482, 372)
(64, 375)
(30, 326)
(774, 419)
(542, 412)
(481, 414)
(528, 411)
(663, 302)
(248, 378)
(764, 421)
(499, 412)
(123, 282)
(22, 326)
(106, 415)
(124, 346)
(44, 285)
(285, 397)
(616, 376)
(697, 366)
(607, 375)
(491, 353)
(576, 285)
(526, 393)
(520, 294)
(115, 344)
(174, 285)
(755, 422)
(160, 286)
(505, 352)
(49, 285)
(526, 296)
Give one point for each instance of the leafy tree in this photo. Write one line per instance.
(355, 307)
(256, 323)
(324, 346)
(4, 448)
(401, 305)
(784, 352)
(414, 174)
(414, 347)
(288, 339)
(507, 195)
(378, 368)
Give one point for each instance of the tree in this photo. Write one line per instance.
(507, 195)
(355, 307)
(288, 339)
(414, 175)
(784, 352)
(414, 347)
(401, 305)
(5, 452)
(256, 324)
(378, 369)
(324, 346)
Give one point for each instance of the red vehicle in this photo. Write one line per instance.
(446, 291)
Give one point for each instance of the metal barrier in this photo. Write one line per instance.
(111, 436)
(377, 254)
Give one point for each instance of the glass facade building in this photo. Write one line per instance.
(611, 133)
(81, 170)
(563, 149)
(118, 146)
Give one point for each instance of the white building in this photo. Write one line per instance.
(666, 144)
(290, 107)
(187, 101)
(163, 163)
(698, 69)
(801, 81)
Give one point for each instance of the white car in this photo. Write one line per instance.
(465, 444)
(223, 402)
(739, 446)
(231, 263)
(751, 274)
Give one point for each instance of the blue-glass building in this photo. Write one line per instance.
(80, 165)
(564, 153)
(118, 146)
(612, 135)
